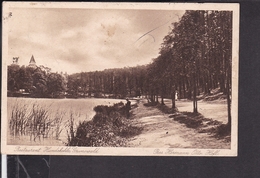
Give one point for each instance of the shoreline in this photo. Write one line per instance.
(158, 129)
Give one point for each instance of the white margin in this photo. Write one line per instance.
(60, 150)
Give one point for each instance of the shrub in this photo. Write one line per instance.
(109, 127)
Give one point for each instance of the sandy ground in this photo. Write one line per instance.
(160, 131)
(216, 110)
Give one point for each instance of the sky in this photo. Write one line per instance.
(82, 40)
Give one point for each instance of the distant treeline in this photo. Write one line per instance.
(115, 83)
(195, 57)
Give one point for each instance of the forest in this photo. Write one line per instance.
(195, 57)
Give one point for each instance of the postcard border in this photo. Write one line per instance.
(58, 150)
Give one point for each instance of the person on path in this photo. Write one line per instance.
(128, 108)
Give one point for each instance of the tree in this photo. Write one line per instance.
(55, 84)
(25, 80)
(13, 78)
(199, 46)
(40, 83)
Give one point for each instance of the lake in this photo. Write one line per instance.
(65, 109)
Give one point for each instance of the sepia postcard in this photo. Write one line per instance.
(120, 79)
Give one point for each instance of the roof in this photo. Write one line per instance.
(32, 60)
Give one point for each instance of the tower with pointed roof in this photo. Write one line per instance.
(32, 62)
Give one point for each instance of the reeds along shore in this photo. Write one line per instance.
(108, 127)
(34, 121)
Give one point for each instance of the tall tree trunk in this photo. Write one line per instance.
(229, 64)
(180, 91)
(189, 93)
(222, 84)
(162, 95)
(195, 109)
(173, 97)
(228, 99)
(183, 89)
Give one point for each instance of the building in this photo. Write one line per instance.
(32, 63)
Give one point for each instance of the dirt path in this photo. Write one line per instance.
(160, 131)
(216, 110)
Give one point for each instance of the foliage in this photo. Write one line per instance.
(109, 127)
(195, 57)
(34, 82)
(118, 83)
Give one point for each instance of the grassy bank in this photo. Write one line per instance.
(109, 127)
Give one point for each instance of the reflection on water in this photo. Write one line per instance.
(27, 126)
